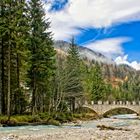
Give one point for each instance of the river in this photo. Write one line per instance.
(82, 131)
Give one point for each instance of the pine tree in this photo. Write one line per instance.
(3, 41)
(98, 85)
(42, 56)
(73, 87)
(12, 34)
(20, 53)
(6, 41)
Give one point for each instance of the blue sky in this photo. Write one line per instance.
(111, 27)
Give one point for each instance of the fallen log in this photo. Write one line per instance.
(103, 127)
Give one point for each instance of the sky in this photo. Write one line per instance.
(111, 27)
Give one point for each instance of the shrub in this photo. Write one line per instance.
(44, 116)
(53, 122)
(35, 118)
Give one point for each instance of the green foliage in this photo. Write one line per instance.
(31, 81)
(74, 84)
(42, 56)
(64, 117)
(13, 37)
(53, 122)
(98, 85)
(44, 116)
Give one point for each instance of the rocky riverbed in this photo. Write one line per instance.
(130, 130)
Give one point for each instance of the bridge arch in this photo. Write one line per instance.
(90, 108)
(119, 108)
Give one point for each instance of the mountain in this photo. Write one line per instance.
(85, 53)
(111, 71)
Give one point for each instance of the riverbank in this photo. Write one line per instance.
(45, 119)
(88, 131)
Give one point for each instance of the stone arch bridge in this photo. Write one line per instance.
(101, 108)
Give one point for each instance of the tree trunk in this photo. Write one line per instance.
(9, 79)
(16, 96)
(73, 104)
(0, 77)
(34, 96)
(9, 70)
(2, 102)
(18, 79)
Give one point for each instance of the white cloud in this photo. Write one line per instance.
(97, 14)
(112, 48)
(91, 13)
(109, 47)
(124, 60)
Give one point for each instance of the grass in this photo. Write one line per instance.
(44, 118)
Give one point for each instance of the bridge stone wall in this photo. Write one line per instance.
(103, 107)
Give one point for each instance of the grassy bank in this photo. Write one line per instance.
(45, 119)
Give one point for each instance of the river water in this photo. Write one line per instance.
(123, 121)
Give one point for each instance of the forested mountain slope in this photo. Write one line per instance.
(109, 68)
(121, 81)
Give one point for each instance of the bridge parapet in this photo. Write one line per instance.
(114, 103)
